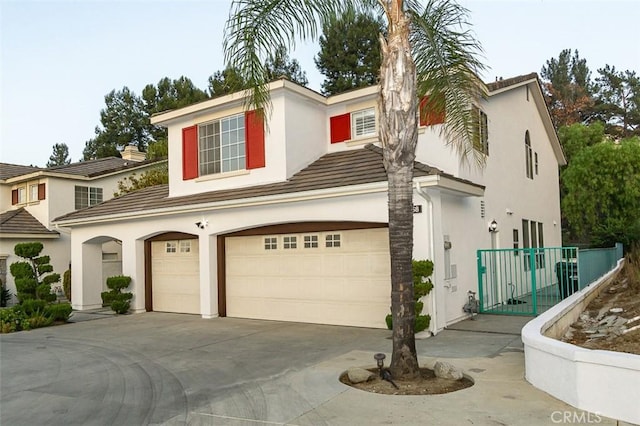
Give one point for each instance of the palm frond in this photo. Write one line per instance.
(446, 56)
(256, 29)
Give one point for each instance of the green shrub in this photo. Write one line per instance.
(422, 285)
(66, 284)
(118, 283)
(58, 311)
(30, 274)
(120, 306)
(38, 320)
(31, 306)
(13, 319)
(107, 297)
(119, 302)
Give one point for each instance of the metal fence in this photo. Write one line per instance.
(531, 280)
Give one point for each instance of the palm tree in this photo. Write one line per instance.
(427, 50)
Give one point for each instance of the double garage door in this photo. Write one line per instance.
(334, 277)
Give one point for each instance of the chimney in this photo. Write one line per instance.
(131, 153)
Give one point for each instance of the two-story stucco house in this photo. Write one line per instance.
(287, 219)
(31, 197)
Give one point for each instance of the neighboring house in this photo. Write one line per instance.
(287, 220)
(30, 197)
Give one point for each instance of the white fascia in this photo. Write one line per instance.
(34, 236)
(452, 185)
(319, 194)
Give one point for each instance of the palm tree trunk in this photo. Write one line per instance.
(398, 132)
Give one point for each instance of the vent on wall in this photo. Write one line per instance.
(482, 209)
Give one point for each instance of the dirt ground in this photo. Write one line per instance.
(427, 384)
(612, 320)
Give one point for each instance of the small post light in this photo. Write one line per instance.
(493, 226)
(379, 357)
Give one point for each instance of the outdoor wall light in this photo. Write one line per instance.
(493, 226)
(202, 223)
(379, 357)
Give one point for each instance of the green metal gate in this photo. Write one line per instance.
(525, 281)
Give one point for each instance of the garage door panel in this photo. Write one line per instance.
(348, 284)
(175, 277)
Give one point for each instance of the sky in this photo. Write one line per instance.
(58, 59)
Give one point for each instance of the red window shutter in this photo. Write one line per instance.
(254, 138)
(41, 191)
(428, 116)
(190, 153)
(14, 197)
(340, 127)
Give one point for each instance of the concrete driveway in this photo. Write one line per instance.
(157, 368)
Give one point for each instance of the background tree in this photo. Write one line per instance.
(349, 55)
(618, 101)
(427, 49)
(568, 90)
(576, 137)
(280, 65)
(60, 155)
(167, 95)
(226, 81)
(602, 199)
(124, 122)
(158, 175)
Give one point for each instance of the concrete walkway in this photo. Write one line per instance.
(157, 368)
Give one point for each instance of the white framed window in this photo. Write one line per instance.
(271, 243)
(171, 246)
(33, 192)
(86, 196)
(310, 241)
(290, 242)
(22, 195)
(185, 246)
(363, 123)
(332, 240)
(221, 145)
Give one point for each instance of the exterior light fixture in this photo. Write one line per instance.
(493, 226)
(379, 357)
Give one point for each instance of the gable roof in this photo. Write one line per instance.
(334, 170)
(82, 169)
(20, 222)
(513, 81)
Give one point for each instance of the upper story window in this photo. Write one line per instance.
(86, 196)
(28, 193)
(363, 123)
(481, 130)
(353, 125)
(528, 154)
(221, 145)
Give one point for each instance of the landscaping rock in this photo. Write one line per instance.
(359, 375)
(447, 371)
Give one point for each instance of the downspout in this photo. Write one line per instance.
(423, 193)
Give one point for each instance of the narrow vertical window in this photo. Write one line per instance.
(528, 155)
(516, 242)
(536, 162)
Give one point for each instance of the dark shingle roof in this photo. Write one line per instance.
(101, 166)
(501, 84)
(11, 170)
(20, 221)
(354, 167)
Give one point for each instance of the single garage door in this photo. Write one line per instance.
(175, 276)
(340, 277)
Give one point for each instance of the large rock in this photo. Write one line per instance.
(447, 371)
(359, 375)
